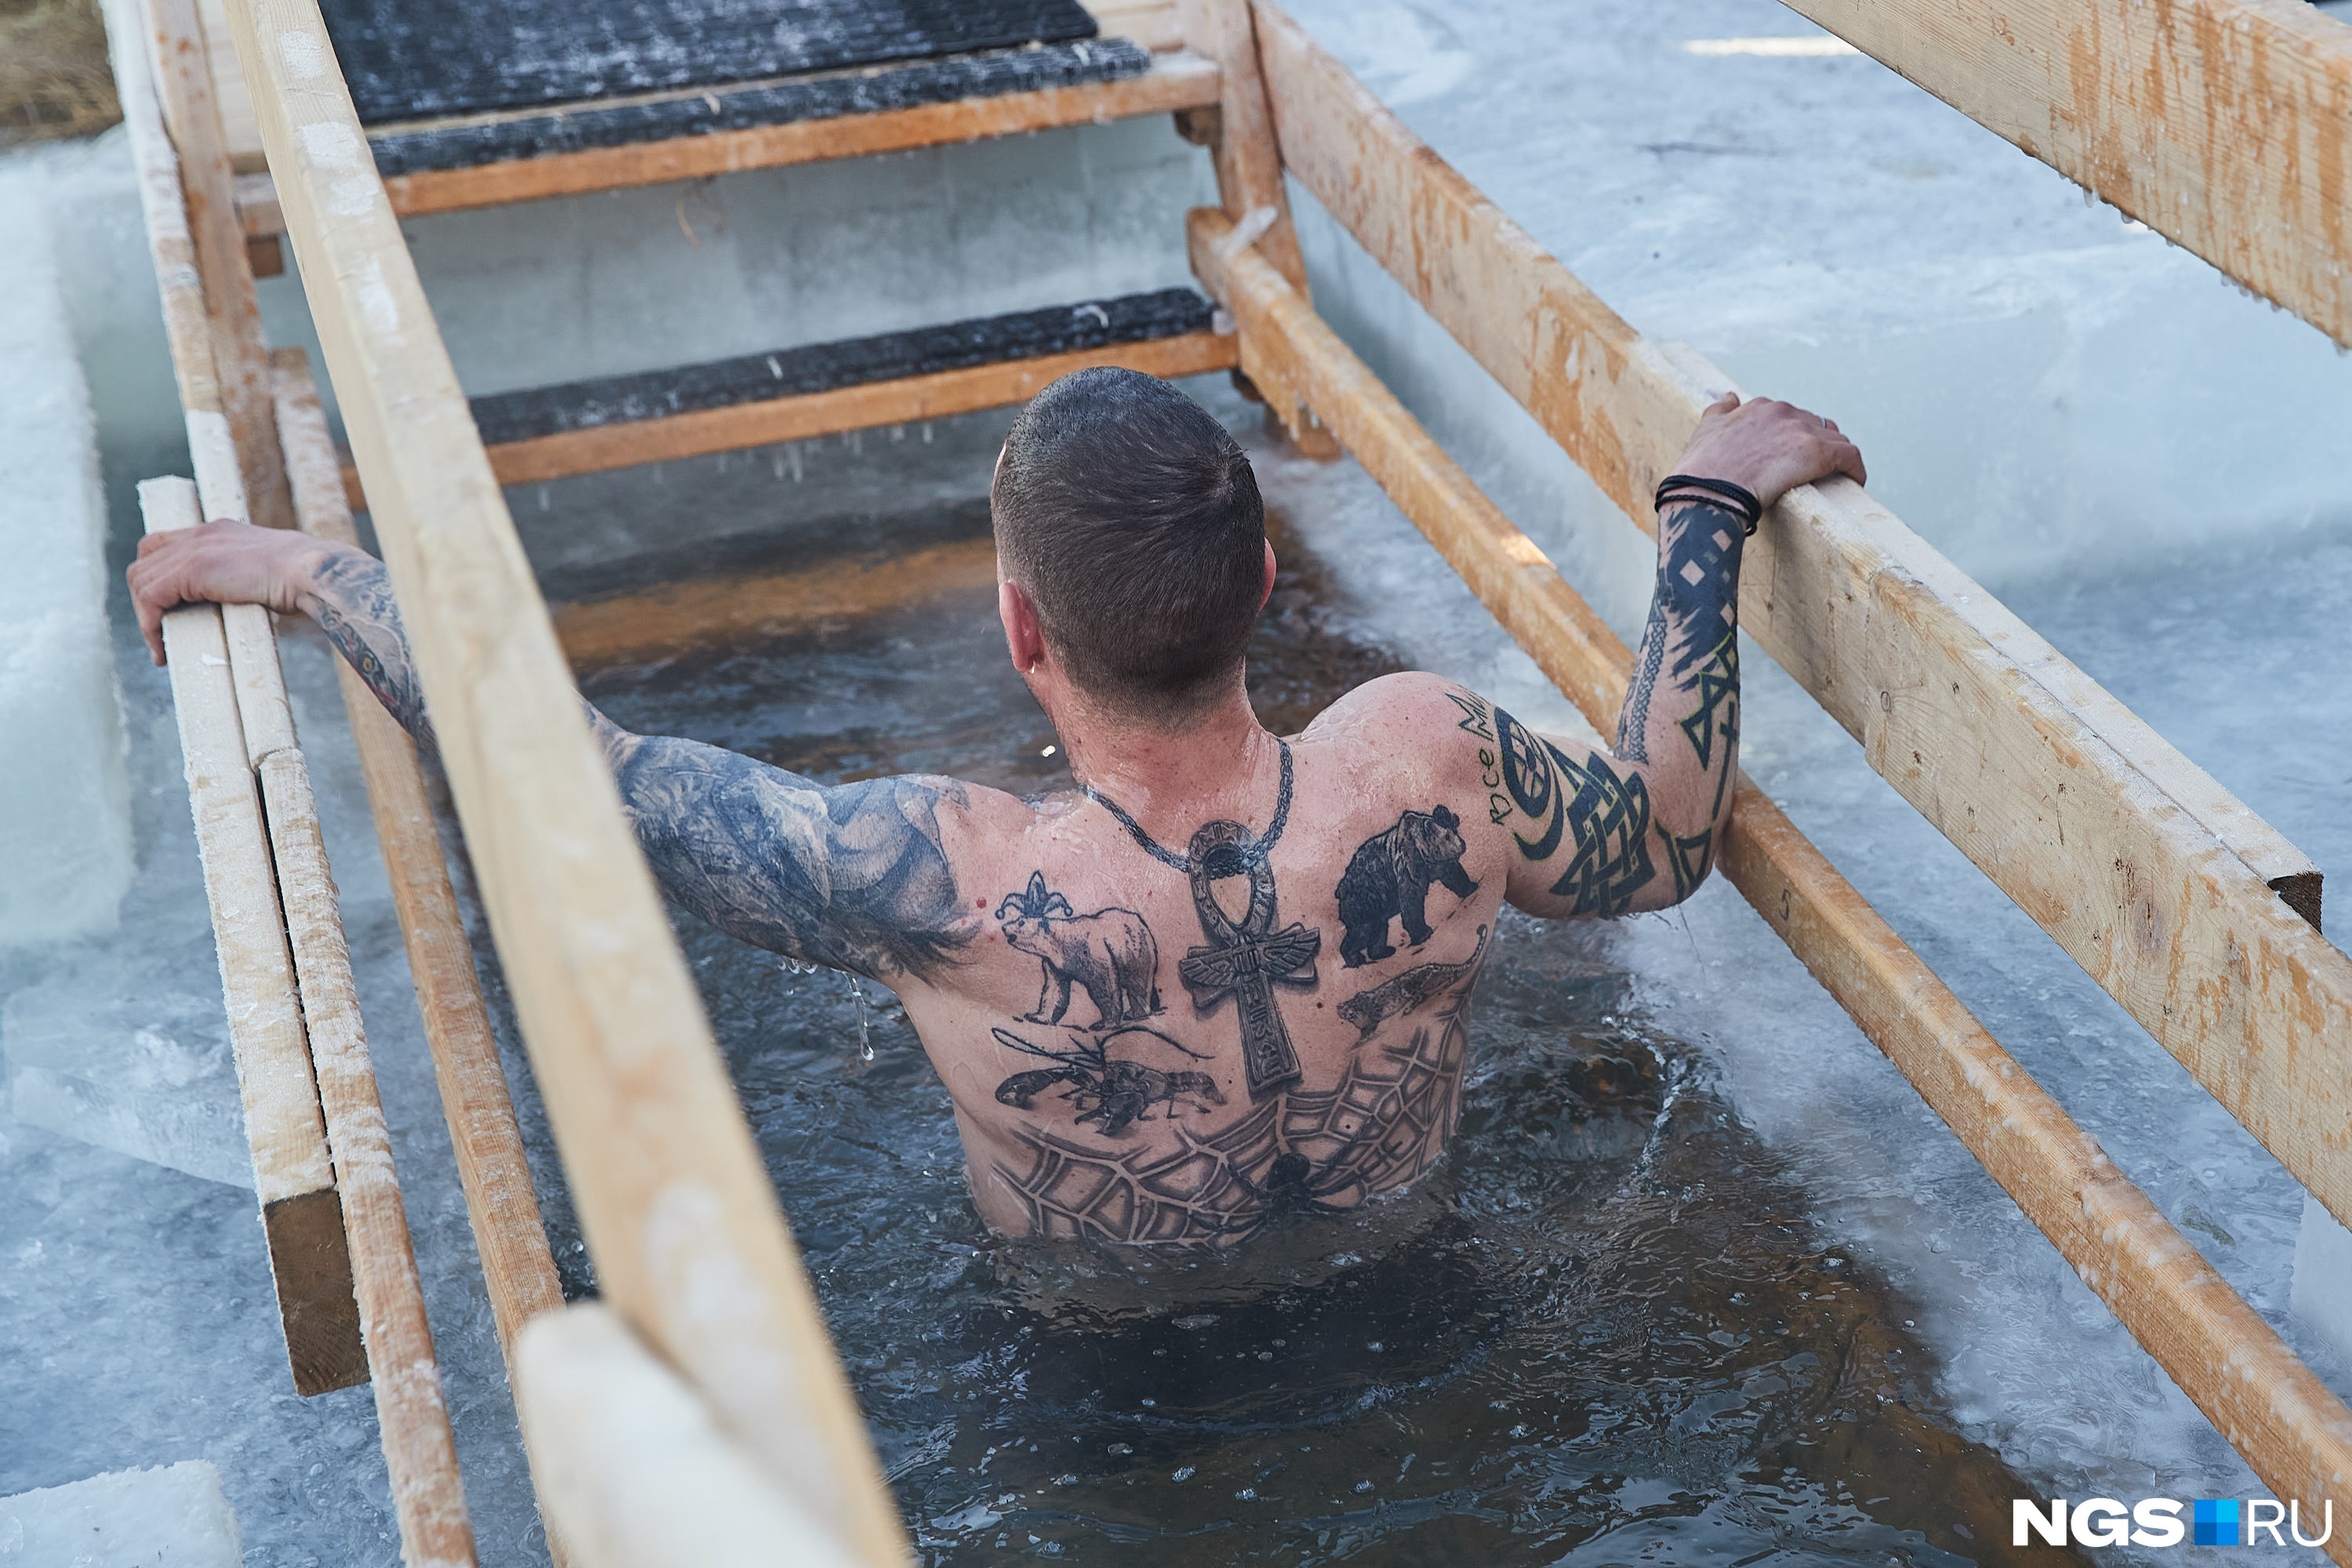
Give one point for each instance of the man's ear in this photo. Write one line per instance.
(1024, 638)
(1267, 591)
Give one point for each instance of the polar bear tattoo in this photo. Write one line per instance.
(1110, 953)
(1389, 876)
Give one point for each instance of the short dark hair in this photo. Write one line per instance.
(1133, 522)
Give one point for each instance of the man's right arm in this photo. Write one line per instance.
(1638, 828)
(853, 876)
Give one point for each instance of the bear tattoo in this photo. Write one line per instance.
(1110, 953)
(1389, 877)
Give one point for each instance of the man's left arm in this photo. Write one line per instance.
(853, 876)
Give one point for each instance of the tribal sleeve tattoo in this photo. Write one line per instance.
(1693, 620)
(1601, 826)
(853, 876)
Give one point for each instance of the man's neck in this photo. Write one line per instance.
(1226, 766)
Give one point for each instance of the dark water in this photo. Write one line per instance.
(1602, 1330)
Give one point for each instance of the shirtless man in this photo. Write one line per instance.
(1231, 978)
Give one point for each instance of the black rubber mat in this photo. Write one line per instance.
(820, 368)
(413, 59)
(467, 144)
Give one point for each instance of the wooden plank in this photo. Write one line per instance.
(1174, 81)
(241, 134)
(294, 1176)
(2224, 125)
(1239, 137)
(1153, 25)
(493, 1168)
(1249, 171)
(374, 1325)
(192, 117)
(2142, 867)
(293, 1171)
(257, 206)
(689, 1244)
(801, 418)
(638, 1472)
(412, 1418)
(2294, 1433)
(677, 617)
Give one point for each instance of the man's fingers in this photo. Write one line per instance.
(151, 593)
(1845, 457)
(151, 627)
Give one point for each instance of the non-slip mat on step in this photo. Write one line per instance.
(827, 97)
(407, 59)
(821, 367)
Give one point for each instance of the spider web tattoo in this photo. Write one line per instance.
(1380, 1128)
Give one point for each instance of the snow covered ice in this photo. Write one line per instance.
(173, 1517)
(2145, 465)
(65, 826)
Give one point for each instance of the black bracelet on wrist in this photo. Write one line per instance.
(1751, 510)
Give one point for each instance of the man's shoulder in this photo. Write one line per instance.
(1409, 696)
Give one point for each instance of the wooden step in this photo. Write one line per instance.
(493, 159)
(823, 389)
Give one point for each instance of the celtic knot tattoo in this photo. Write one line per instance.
(1604, 816)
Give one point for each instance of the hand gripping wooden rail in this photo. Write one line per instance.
(351, 1309)
(2163, 886)
(2295, 1434)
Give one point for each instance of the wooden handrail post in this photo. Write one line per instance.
(1249, 184)
(184, 77)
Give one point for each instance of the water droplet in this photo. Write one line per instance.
(864, 1024)
(1184, 1473)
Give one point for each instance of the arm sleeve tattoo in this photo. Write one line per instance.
(852, 876)
(351, 598)
(1602, 827)
(1692, 645)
